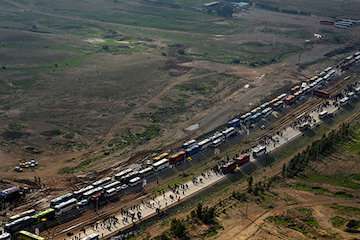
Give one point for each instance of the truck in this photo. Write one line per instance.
(228, 167)
(242, 159)
(259, 151)
(178, 157)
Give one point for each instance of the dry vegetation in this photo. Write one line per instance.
(87, 85)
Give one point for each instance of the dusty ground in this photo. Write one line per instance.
(76, 100)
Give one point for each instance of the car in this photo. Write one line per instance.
(18, 169)
(34, 162)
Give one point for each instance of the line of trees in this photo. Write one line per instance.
(322, 147)
(206, 214)
(178, 227)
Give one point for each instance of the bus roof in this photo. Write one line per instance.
(31, 235)
(42, 213)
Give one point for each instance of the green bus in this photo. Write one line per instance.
(24, 235)
(45, 215)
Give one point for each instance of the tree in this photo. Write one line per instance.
(225, 10)
(283, 171)
(250, 182)
(199, 211)
(178, 229)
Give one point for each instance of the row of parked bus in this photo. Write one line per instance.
(130, 180)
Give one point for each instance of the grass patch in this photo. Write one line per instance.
(354, 145)
(338, 221)
(346, 210)
(307, 217)
(131, 138)
(83, 165)
(309, 188)
(340, 180)
(300, 219)
(342, 194)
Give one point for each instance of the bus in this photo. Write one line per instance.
(5, 236)
(93, 236)
(45, 215)
(60, 199)
(23, 214)
(25, 235)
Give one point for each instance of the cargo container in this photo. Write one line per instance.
(178, 157)
(162, 164)
(245, 117)
(242, 159)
